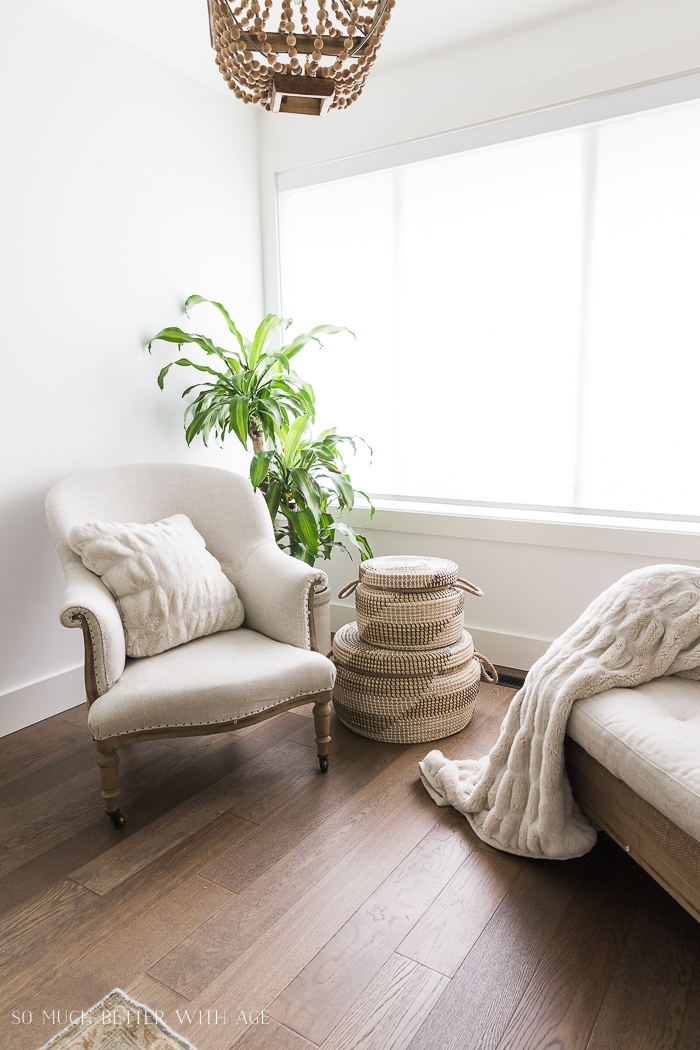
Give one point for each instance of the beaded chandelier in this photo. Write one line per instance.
(277, 53)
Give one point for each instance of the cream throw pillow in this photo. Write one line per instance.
(169, 589)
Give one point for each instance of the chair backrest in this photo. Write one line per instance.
(221, 505)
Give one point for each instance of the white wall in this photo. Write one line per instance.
(125, 185)
(537, 576)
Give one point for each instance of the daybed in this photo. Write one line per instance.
(633, 758)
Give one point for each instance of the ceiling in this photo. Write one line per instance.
(177, 31)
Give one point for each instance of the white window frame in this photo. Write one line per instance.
(516, 522)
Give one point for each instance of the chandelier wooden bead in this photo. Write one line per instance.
(338, 51)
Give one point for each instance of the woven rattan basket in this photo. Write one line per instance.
(407, 671)
(409, 602)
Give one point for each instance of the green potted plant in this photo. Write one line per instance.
(306, 487)
(253, 392)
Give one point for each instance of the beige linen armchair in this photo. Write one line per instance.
(213, 684)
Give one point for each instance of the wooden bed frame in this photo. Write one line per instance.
(670, 855)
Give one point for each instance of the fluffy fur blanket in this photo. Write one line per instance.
(518, 798)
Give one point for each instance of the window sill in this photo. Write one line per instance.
(646, 537)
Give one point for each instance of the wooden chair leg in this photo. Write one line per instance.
(108, 761)
(322, 726)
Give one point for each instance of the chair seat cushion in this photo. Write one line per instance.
(222, 677)
(649, 737)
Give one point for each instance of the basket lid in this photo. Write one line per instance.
(408, 572)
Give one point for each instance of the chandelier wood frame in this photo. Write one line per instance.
(265, 67)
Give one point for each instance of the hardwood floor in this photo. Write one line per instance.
(348, 911)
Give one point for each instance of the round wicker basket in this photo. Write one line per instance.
(351, 652)
(407, 671)
(407, 602)
(407, 710)
(410, 619)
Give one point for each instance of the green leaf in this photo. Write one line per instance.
(197, 424)
(293, 439)
(306, 529)
(300, 341)
(309, 490)
(344, 488)
(185, 362)
(270, 324)
(193, 300)
(273, 497)
(238, 416)
(358, 541)
(176, 335)
(259, 466)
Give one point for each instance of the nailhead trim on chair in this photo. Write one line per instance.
(214, 721)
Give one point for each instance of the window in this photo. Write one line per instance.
(527, 317)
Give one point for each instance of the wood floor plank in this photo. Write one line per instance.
(647, 995)
(444, 935)
(53, 912)
(272, 961)
(152, 993)
(272, 1036)
(242, 864)
(307, 711)
(474, 1010)
(128, 949)
(29, 752)
(195, 963)
(40, 822)
(54, 947)
(45, 838)
(74, 830)
(390, 1010)
(561, 1004)
(77, 715)
(121, 957)
(317, 998)
(281, 775)
(252, 788)
(71, 759)
(688, 1038)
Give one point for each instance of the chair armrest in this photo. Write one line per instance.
(88, 604)
(276, 591)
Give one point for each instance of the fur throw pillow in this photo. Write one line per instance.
(169, 589)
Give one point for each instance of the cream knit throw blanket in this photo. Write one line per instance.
(517, 798)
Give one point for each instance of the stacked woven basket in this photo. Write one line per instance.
(407, 669)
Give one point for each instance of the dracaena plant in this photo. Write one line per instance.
(306, 486)
(253, 391)
(255, 394)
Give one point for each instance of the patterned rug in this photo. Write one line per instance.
(118, 1023)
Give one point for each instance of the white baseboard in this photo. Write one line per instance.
(32, 703)
(509, 650)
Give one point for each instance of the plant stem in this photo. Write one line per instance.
(258, 440)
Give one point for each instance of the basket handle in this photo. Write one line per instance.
(348, 589)
(469, 587)
(488, 671)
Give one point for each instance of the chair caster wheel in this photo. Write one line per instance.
(323, 763)
(117, 819)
